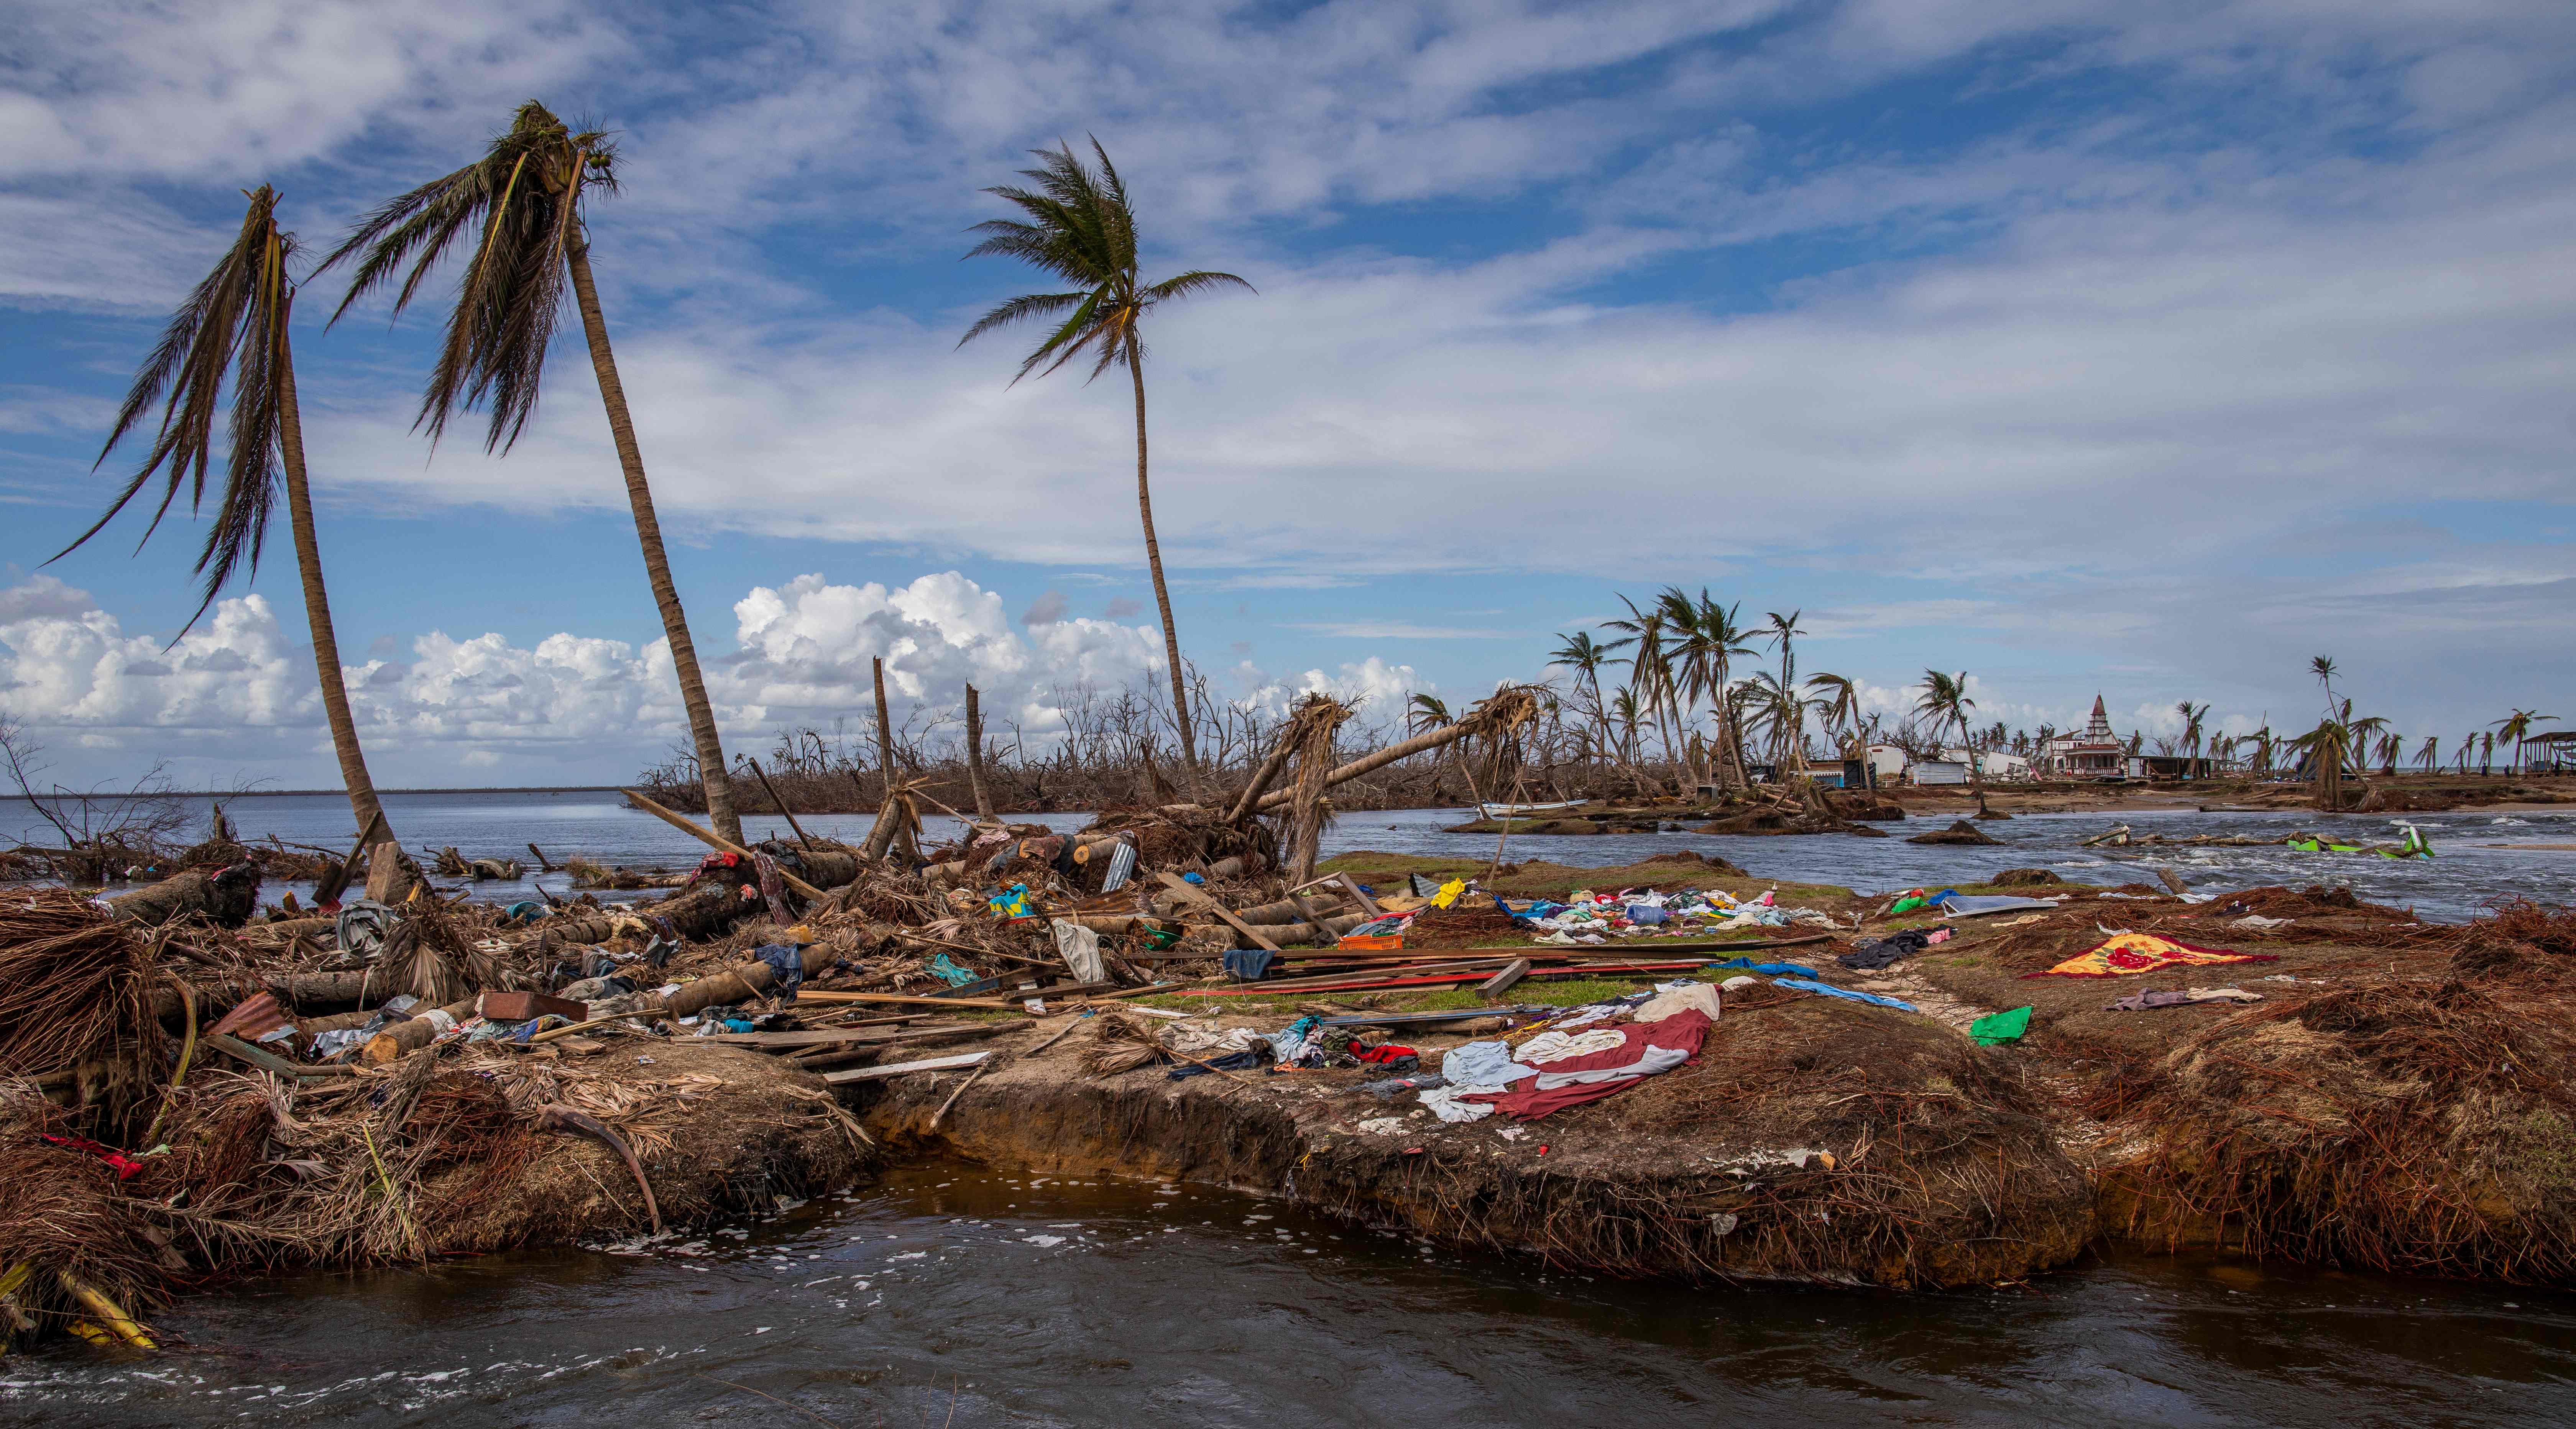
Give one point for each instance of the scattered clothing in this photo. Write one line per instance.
(1424, 1082)
(2257, 923)
(1244, 964)
(1697, 997)
(1769, 969)
(2000, 1027)
(2128, 954)
(1483, 1064)
(1239, 1062)
(1555, 1046)
(1886, 952)
(949, 972)
(1450, 1104)
(1645, 1049)
(1080, 948)
(2150, 1001)
(1804, 984)
(789, 964)
(1384, 1052)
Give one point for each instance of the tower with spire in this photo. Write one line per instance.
(2091, 753)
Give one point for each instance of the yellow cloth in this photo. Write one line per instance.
(2129, 953)
(1448, 893)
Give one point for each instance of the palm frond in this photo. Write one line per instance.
(231, 330)
(522, 200)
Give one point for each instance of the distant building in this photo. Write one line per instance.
(2090, 753)
(1940, 771)
(1887, 761)
(1992, 763)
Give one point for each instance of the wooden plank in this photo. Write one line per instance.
(834, 1037)
(1194, 893)
(898, 1069)
(1495, 985)
(1367, 904)
(898, 999)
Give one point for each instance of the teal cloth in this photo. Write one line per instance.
(951, 974)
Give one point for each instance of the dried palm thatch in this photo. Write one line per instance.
(2407, 1125)
(75, 994)
(1121, 1042)
(1310, 732)
(63, 1220)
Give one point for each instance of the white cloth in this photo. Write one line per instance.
(1549, 1047)
(1208, 1041)
(1445, 1105)
(1656, 1059)
(1488, 1065)
(1080, 949)
(1694, 997)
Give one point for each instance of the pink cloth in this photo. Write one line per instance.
(1682, 1032)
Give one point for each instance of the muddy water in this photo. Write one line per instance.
(2475, 868)
(1003, 1299)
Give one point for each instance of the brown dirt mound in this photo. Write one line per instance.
(2408, 1125)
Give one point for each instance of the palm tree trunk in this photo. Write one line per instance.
(657, 565)
(317, 610)
(1163, 594)
(1976, 775)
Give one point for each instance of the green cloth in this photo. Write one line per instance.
(2000, 1027)
(1906, 905)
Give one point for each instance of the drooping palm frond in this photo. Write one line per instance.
(521, 204)
(232, 328)
(1080, 228)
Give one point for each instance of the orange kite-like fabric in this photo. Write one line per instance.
(2129, 953)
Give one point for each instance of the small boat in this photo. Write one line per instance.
(1511, 811)
(2413, 845)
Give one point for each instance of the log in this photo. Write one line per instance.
(1501, 982)
(192, 890)
(413, 1033)
(741, 982)
(975, 755)
(1190, 891)
(1287, 933)
(1371, 763)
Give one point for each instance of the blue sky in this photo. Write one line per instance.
(2073, 348)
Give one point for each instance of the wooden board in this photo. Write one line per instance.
(1194, 893)
(899, 999)
(898, 1069)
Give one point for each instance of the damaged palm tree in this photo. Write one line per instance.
(1507, 709)
(522, 202)
(234, 326)
(1310, 732)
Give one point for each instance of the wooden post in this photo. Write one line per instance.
(975, 754)
(1193, 893)
(767, 788)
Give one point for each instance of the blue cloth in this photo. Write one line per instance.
(1247, 964)
(526, 910)
(1192, 878)
(787, 963)
(1647, 914)
(1811, 985)
(1483, 1064)
(948, 972)
(1769, 969)
(1235, 1062)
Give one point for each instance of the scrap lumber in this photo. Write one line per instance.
(1192, 893)
(898, 1069)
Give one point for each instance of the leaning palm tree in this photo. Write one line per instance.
(2517, 727)
(2326, 747)
(1945, 701)
(2428, 757)
(1650, 666)
(234, 326)
(1837, 702)
(1082, 229)
(2192, 717)
(1585, 656)
(519, 205)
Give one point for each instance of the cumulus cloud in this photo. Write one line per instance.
(1049, 608)
(802, 655)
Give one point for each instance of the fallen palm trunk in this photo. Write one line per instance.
(411, 1034)
(1507, 709)
(226, 896)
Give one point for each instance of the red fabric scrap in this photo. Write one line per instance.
(1383, 1052)
(127, 1168)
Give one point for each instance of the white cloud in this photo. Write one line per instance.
(801, 655)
